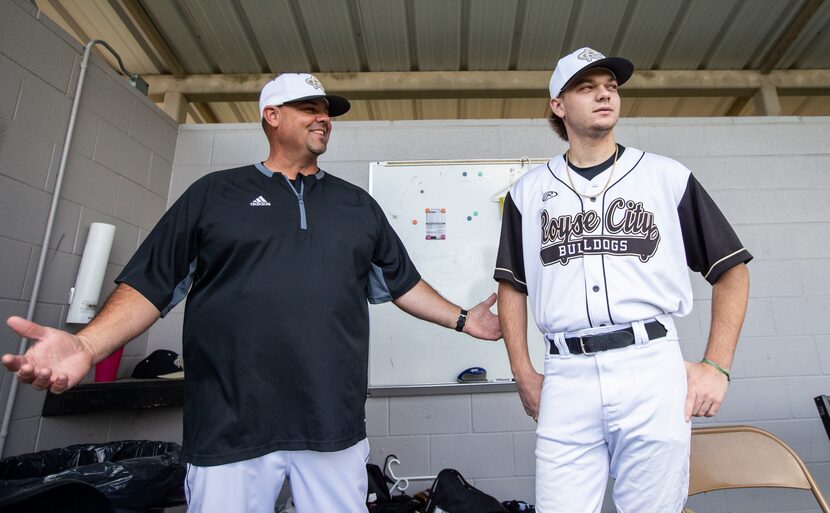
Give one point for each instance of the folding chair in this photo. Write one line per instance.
(730, 457)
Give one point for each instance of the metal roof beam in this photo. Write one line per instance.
(152, 40)
(204, 112)
(494, 84)
(789, 35)
(175, 105)
(766, 101)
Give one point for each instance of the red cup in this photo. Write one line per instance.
(107, 369)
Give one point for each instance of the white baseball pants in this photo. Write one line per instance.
(618, 412)
(320, 481)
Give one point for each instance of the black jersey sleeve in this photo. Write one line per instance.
(161, 269)
(712, 247)
(393, 273)
(510, 265)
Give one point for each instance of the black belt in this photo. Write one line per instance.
(590, 344)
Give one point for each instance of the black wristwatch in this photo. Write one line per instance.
(462, 320)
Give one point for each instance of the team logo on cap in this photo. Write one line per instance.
(590, 55)
(313, 82)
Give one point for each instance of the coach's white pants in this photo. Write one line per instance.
(320, 482)
(617, 412)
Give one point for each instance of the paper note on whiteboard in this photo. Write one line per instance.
(436, 224)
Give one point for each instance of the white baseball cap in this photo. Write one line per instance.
(576, 63)
(297, 87)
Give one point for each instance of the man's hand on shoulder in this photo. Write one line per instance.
(56, 360)
(481, 322)
(706, 388)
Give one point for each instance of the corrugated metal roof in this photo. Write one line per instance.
(272, 36)
(438, 35)
(384, 29)
(170, 20)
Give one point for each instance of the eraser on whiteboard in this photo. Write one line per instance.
(473, 375)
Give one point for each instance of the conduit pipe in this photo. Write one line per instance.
(47, 235)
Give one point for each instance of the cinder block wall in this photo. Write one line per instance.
(118, 172)
(769, 175)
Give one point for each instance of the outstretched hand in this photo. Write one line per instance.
(481, 322)
(56, 360)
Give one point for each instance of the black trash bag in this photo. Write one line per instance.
(64, 496)
(132, 474)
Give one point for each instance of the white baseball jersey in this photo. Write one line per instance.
(619, 257)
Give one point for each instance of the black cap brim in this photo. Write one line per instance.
(620, 67)
(337, 104)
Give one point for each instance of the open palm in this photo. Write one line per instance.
(56, 360)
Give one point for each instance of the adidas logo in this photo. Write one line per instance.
(260, 202)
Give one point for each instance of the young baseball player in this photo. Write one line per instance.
(600, 239)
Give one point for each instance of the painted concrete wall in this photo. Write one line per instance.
(769, 175)
(118, 172)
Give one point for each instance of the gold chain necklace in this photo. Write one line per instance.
(613, 167)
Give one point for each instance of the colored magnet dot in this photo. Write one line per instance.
(464, 173)
(414, 221)
(426, 210)
(480, 173)
(469, 218)
(443, 210)
(475, 212)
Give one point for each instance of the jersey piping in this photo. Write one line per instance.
(512, 273)
(727, 257)
(604, 273)
(582, 208)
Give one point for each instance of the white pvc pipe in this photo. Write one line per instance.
(83, 304)
(47, 236)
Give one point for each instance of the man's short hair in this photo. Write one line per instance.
(558, 126)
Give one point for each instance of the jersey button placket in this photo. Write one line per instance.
(593, 275)
(594, 278)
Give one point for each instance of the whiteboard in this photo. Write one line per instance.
(448, 215)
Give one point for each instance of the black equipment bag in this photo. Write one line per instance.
(451, 493)
(378, 485)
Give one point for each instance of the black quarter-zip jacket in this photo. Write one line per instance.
(276, 326)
